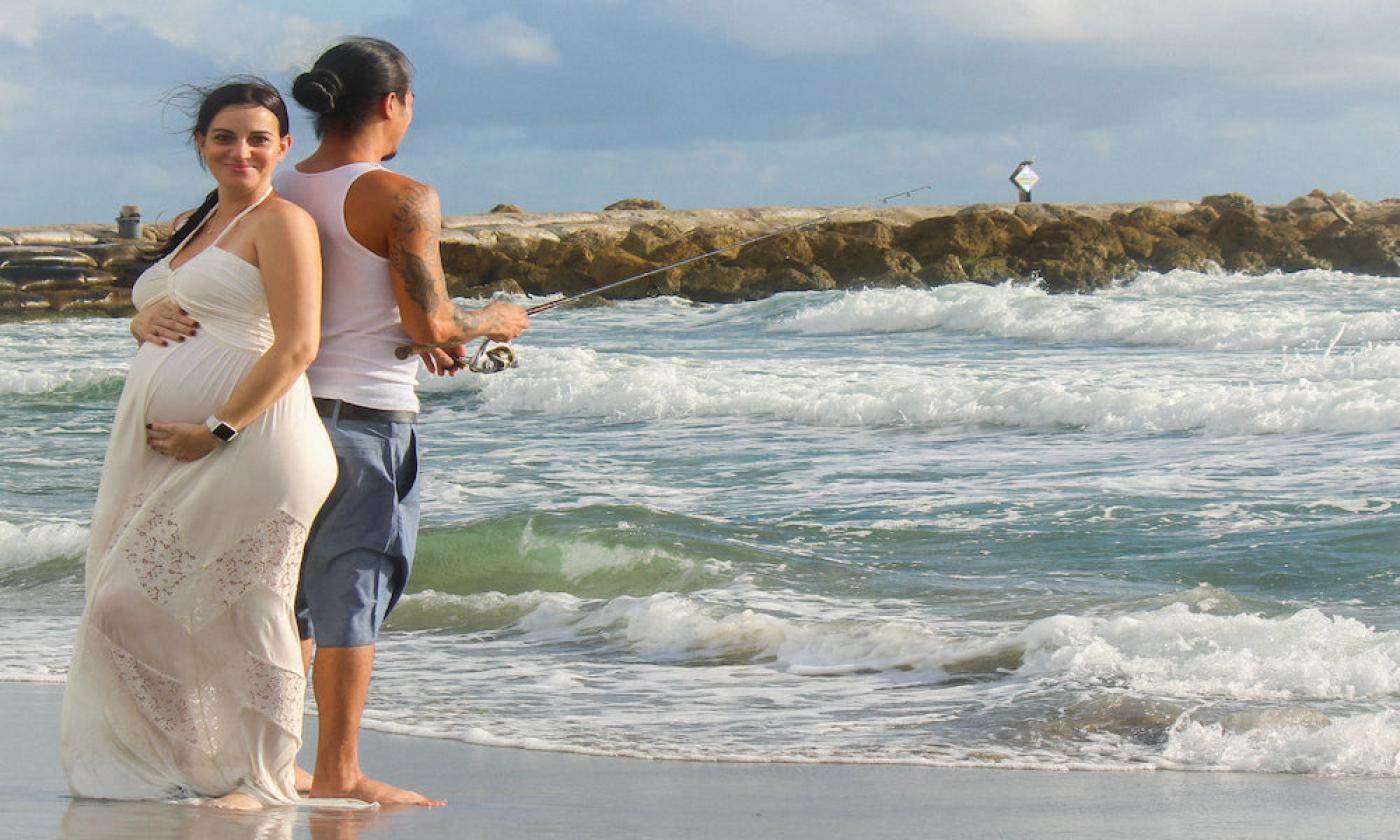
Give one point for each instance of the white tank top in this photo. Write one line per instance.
(360, 325)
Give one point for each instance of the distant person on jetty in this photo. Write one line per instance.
(187, 677)
(384, 287)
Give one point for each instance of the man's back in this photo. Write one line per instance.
(360, 322)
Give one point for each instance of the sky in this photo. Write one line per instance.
(564, 105)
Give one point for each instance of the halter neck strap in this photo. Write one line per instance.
(236, 219)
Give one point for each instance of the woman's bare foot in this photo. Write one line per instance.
(236, 802)
(372, 790)
(303, 782)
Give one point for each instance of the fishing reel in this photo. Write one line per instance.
(493, 360)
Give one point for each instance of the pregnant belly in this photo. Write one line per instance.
(186, 382)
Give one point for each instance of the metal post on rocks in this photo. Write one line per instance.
(1024, 178)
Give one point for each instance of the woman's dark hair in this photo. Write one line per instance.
(204, 104)
(346, 83)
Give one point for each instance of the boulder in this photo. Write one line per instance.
(826, 243)
(716, 237)
(863, 260)
(635, 204)
(66, 237)
(785, 249)
(1238, 234)
(1038, 214)
(874, 231)
(888, 281)
(1075, 254)
(469, 262)
(614, 263)
(1189, 252)
(108, 300)
(721, 283)
(1137, 243)
(530, 278)
(972, 235)
(1149, 220)
(993, 269)
(22, 302)
(485, 291)
(674, 252)
(948, 269)
(39, 278)
(1196, 221)
(567, 280)
(787, 278)
(1229, 201)
(1313, 202)
(1361, 249)
(125, 252)
(646, 238)
(45, 255)
(506, 208)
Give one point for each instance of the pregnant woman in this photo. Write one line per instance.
(187, 679)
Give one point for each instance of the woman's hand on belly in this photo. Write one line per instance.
(181, 441)
(161, 323)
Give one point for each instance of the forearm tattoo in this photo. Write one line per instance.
(418, 220)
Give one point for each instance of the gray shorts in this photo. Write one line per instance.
(360, 549)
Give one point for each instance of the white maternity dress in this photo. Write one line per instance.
(186, 678)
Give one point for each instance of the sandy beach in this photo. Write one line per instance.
(496, 792)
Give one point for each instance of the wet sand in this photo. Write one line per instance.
(508, 793)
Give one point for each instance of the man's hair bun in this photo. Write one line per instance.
(317, 90)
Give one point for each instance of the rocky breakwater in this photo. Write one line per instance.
(1066, 248)
(71, 269)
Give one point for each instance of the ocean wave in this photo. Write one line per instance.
(673, 627)
(1288, 740)
(23, 546)
(589, 552)
(80, 383)
(1177, 651)
(1354, 392)
(1149, 316)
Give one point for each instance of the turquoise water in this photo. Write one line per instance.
(1152, 527)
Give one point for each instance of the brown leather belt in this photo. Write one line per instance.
(350, 411)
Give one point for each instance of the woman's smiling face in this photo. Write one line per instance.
(242, 146)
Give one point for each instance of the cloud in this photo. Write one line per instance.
(784, 27)
(504, 36)
(237, 36)
(1284, 42)
(554, 104)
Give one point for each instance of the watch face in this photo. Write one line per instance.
(224, 432)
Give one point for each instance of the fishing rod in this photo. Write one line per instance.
(500, 357)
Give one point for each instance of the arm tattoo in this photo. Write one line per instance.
(416, 219)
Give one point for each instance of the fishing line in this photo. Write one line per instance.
(489, 359)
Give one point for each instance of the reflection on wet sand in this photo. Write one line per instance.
(106, 820)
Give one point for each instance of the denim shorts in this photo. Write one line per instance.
(360, 549)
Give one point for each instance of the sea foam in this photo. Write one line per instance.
(1355, 393)
(26, 545)
(1176, 651)
(1140, 318)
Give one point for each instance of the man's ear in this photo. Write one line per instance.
(388, 104)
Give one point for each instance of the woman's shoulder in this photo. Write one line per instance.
(279, 214)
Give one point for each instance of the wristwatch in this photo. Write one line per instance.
(220, 429)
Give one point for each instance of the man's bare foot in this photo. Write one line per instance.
(373, 790)
(303, 782)
(236, 802)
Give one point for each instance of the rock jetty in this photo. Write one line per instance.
(88, 269)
